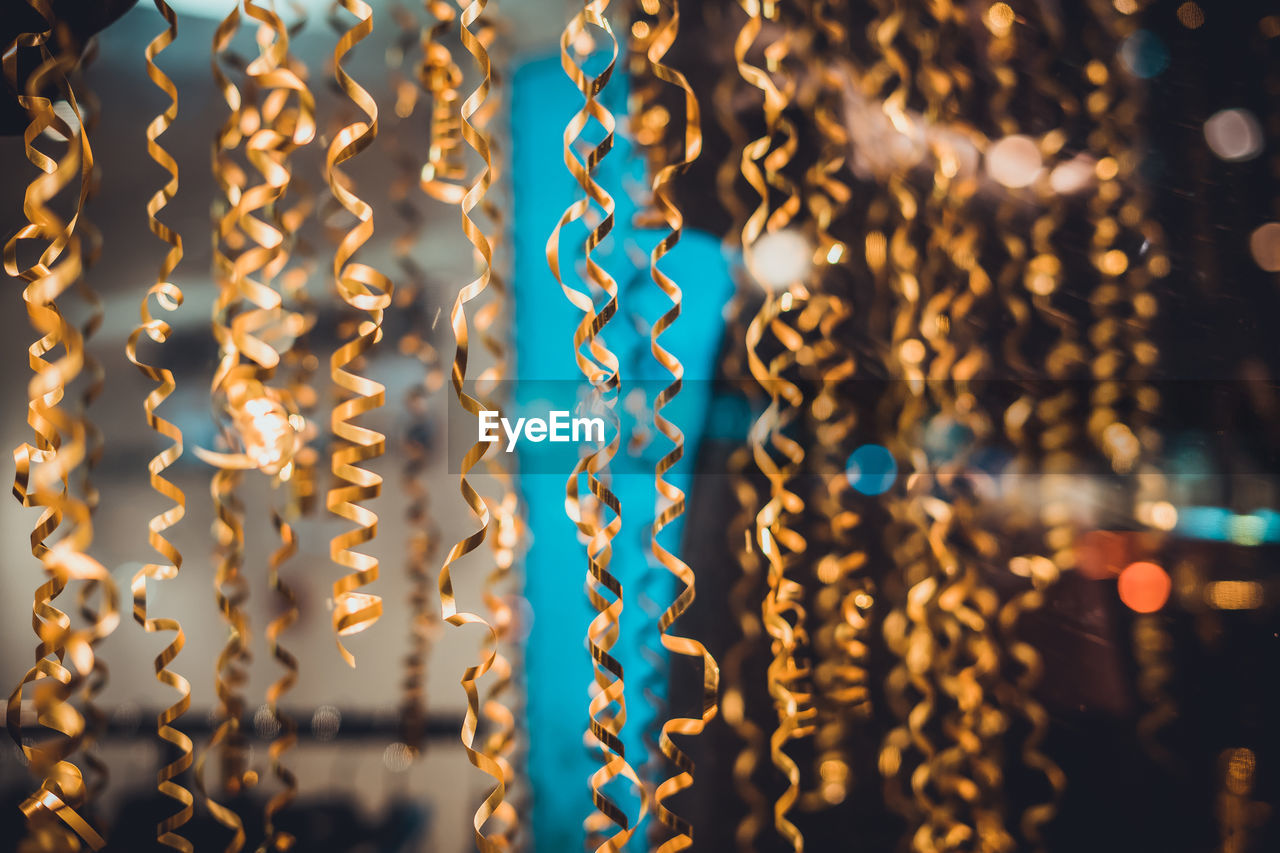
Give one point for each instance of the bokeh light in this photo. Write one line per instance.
(1264, 245)
(1144, 55)
(1014, 161)
(1144, 587)
(1234, 135)
(872, 469)
(1190, 15)
(781, 259)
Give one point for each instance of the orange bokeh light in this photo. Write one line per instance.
(1144, 587)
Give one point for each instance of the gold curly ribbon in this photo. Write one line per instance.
(169, 296)
(444, 172)
(230, 585)
(365, 289)
(45, 467)
(845, 595)
(423, 534)
(762, 165)
(477, 139)
(502, 740)
(609, 824)
(672, 506)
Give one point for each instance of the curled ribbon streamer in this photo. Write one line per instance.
(763, 161)
(502, 739)
(59, 449)
(671, 496)
(845, 598)
(894, 260)
(1123, 403)
(443, 173)
(423, 536)
(284, 128)
(231, 666)
(477, 139)
(230, 586)
(367, 290)
(278, 839)
(169, 297)
(743, 598)
(96, 772)
(607, 708)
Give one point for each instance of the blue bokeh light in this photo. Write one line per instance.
(872, 469)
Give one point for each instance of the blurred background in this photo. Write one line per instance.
(1145, 129)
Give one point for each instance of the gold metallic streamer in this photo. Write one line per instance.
(230, 586)
(443, 173)
(424, 536)
(169, 296)
(502, 739)
(607, 708)
(743, 598)
(367, 290)
(763, 162)
(45, 468)
(477, 139)
(671, 497)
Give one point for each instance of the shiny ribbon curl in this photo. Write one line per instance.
(424, 536)
(503, 739)
(443, 174)
(60, 447)
(762, 165)
(367, 290)
(477, 139)
(169, 296)
(674, 498)
(607, 708)
(229, 583)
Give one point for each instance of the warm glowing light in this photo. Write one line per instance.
(780, 259)
(1241, 765)
(1190, 15)
(1042, 274)
(1234, 135)
(1144, 587)
(1264, 245)
(1114, 262)
(1072, 176)
(835, 253)
(1014, 161)
(1000, 19)
(1233, 595)
(912, 351)
(1126, 7)
(1160, 515)
(640, 29)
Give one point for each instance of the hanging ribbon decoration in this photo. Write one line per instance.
(502, 739)
(845, 594)
(45, 467)
(423, 535)
(367, 290)
(230, 585)
(478, 140)
(672, 498)
(763, 162)
(607, 708)
(444, 172)
(169, 297)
